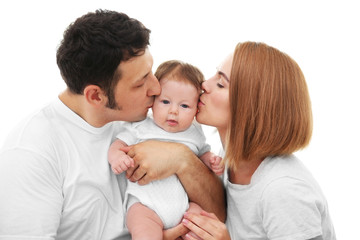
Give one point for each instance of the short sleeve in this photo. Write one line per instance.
(31, 196)
(290, 209)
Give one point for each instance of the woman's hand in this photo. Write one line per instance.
(206, 226)
(175, 233)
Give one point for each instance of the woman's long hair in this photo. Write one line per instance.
(269, 104)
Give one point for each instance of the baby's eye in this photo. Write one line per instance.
(184, 106)
(165, 101)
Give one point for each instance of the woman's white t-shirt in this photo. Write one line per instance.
(283, 201)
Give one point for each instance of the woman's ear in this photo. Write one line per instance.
(94, 95)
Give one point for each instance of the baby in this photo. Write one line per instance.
(161, 204)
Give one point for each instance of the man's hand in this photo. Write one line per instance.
(156, 160)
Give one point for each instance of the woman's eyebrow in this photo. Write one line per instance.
(224, 75)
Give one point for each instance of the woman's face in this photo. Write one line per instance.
(214, 107)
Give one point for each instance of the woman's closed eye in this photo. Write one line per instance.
(219, 85)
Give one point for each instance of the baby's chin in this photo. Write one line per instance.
(173, 129)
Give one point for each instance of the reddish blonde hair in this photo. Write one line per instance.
(269, 104)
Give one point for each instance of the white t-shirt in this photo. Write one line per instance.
(55, 180)
(166, 197)
(283, 201)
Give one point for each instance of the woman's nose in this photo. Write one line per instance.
(205, 86)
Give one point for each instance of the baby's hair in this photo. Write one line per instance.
(180, 71)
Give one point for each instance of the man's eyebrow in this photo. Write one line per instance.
(224, 75)
(143, 77)
(147, 74)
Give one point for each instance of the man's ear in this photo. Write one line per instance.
(94, 95)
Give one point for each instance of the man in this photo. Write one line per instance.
(55, 180)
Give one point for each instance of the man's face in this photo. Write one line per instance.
(135, 91)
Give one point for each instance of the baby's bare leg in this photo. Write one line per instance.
(143, 223)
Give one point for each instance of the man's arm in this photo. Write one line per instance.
(208, 192)
(157, 160)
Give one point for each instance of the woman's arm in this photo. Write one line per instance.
(157, 160)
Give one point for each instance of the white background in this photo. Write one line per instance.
(322, 36)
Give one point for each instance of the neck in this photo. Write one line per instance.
(242, 175)
(222, 134)
(246, 169)
(78, 104)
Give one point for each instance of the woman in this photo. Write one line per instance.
(259, 102)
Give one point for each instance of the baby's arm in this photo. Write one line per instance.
(118, 159)
(214, 162)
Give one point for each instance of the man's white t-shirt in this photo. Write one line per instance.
(55, 180)
(283, 201)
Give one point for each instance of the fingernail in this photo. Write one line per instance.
(185, 221)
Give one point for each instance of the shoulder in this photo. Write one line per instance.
(288, 189)
(196, 130)
(31, 147)
(287, 166)
(131, 132)
(196, 125)
(286, 176)
(32, 130)
(291, 206)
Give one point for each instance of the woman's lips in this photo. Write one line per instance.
(200, 103)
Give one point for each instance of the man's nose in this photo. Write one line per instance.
(155, 88)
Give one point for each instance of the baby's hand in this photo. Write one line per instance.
(216, 165)
(121, 163)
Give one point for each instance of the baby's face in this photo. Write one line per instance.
(175, 108)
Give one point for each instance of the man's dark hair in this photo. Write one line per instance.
(93, 47)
